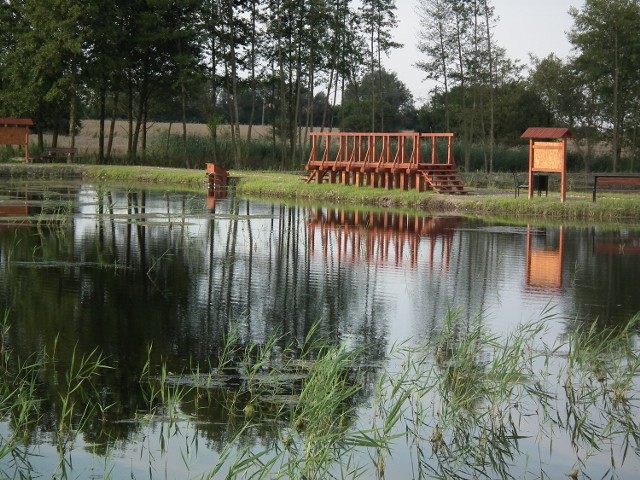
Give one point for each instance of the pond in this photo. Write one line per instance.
(179, 335)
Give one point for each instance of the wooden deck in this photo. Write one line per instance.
(385, 160)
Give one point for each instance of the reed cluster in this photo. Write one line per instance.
(463, 402)
(467, 403)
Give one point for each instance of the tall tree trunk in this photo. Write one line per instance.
(373, 92)
(254, 16)
(283, 100)
(103, 113)
(72, 115)
(183, 104)
(492, 87)
(139, 117)
(616, 105)
(130, 117)
(144, 132)
(112, 126)
(235, 121)
(213, 120)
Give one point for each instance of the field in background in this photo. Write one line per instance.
(87, 137)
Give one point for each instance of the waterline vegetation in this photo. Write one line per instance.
(491, 194)
(464, 402)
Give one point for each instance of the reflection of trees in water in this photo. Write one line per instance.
(135, 268)
(261, 276)
(604, 266)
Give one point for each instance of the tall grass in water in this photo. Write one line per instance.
(19, 403)
(479, 403)
(317, 433)
(467, 403)
(464, 403)
(76, 401)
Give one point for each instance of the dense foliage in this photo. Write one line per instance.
(301, 65)
(484, 97)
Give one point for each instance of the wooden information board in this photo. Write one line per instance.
(548, 153)
(15, 131)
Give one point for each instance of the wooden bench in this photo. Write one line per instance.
(52, 154)
(620, 183)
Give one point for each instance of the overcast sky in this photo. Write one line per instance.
(524, 26)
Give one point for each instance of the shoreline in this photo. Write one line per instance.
(488, 194)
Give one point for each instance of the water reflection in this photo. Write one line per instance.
(375, 235)
(544, 258)
(124, 269)
(214, 196)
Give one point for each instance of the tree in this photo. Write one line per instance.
(394, 104)
(457, 41)
(567, 101)
(378, 17)
(435, 43)
(51, 34)
(605, 34)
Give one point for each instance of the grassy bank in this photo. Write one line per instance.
(488, 194)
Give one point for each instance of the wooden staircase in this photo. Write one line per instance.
(443, 178)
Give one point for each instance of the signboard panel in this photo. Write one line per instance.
(13, 135)
(548, 157)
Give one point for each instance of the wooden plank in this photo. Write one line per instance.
(619, 181)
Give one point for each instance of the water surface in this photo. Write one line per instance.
(129, 271)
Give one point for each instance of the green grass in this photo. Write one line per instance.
(487, 201)
(489, 194)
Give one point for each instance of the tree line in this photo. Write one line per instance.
(486, 97)
(299, 65)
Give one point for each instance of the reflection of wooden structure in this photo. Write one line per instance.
(618, 247)
(386, 160)
(15, 131)
(218, 176)
(544, 264)
(548, 153)
(16, 211)
(381, 236)
(213, 195)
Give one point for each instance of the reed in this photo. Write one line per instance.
(465, 402)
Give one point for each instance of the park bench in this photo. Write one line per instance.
(52, 154)
(620, 183)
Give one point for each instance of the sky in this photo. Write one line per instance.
(524, 26)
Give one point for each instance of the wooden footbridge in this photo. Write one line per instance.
(386, 160)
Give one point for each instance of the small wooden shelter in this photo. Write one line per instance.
(15, 131)
(548, 153)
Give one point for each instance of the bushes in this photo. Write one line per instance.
(259, 154)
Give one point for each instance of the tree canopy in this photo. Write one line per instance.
(302, 65)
